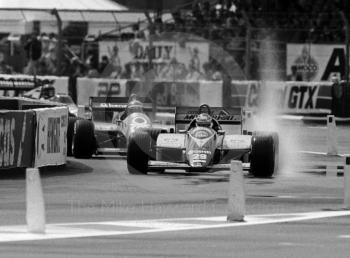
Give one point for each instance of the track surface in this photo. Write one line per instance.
(101, 190)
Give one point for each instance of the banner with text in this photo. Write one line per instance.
(315, 62)
(283, 97)
(51, 136)
(188, 53)
(16, 139)
(98, 87)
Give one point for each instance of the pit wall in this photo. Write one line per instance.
(32, 133)
(297, 98)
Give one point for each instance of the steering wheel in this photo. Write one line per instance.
(204, 106)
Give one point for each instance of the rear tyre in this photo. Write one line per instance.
(70, 132)
(263, 155)
(138, 153)
(84, 143)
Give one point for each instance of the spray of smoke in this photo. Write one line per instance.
(270, 109)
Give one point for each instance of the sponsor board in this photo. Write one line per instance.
(51, 136)
(98, 87)
(162, 52)
(16, 139)
(316, 62)
(13, 85)
(287, 97)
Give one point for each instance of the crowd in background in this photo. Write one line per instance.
(224, 22)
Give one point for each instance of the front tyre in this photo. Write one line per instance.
(70, 133)
(263, 155)
(84, 143)
(138, 152)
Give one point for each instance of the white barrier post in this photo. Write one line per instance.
(331, 136)
(347, 183)
(35, 214)
(236, 195)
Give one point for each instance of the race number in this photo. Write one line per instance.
(197, 156)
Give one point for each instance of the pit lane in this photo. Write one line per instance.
(100, 189)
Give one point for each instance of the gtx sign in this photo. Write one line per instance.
(301, 97)
(288, 97)
(316, 62)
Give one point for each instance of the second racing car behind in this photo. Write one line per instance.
(113, 120)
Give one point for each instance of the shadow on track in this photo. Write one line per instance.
(193, 178)
(72, 167)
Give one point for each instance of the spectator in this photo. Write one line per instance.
(33, 50)
(195, 62)
(4, 67)
(103, 65)
(193, 74)
(126, 74)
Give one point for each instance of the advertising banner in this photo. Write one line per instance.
(283, 97)
(315, 62)
(307, 98)
(163, 51)
(51, 136)
(13, 85)
(16, 139)
(98, 87)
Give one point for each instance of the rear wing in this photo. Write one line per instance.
(184, 115)
(109, 103)
(119, 104)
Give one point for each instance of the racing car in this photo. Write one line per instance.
(203, 145)
(113, 120)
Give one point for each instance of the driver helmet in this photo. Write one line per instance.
(47, 91)
(134, 106)
(204, 120)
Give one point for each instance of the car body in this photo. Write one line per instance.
(198, 148)
(109, 129)
(48, 93)
(68, 101)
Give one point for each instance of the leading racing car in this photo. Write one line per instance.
(203, 145)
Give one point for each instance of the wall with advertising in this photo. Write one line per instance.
(137, 51)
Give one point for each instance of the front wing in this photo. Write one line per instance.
(173, 165)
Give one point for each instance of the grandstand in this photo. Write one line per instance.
(249, 32)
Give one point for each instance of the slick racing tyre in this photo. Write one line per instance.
(84, 143)
(70, 132)
(138, 152)
(263, 155)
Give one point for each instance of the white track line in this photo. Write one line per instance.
(115, 228)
